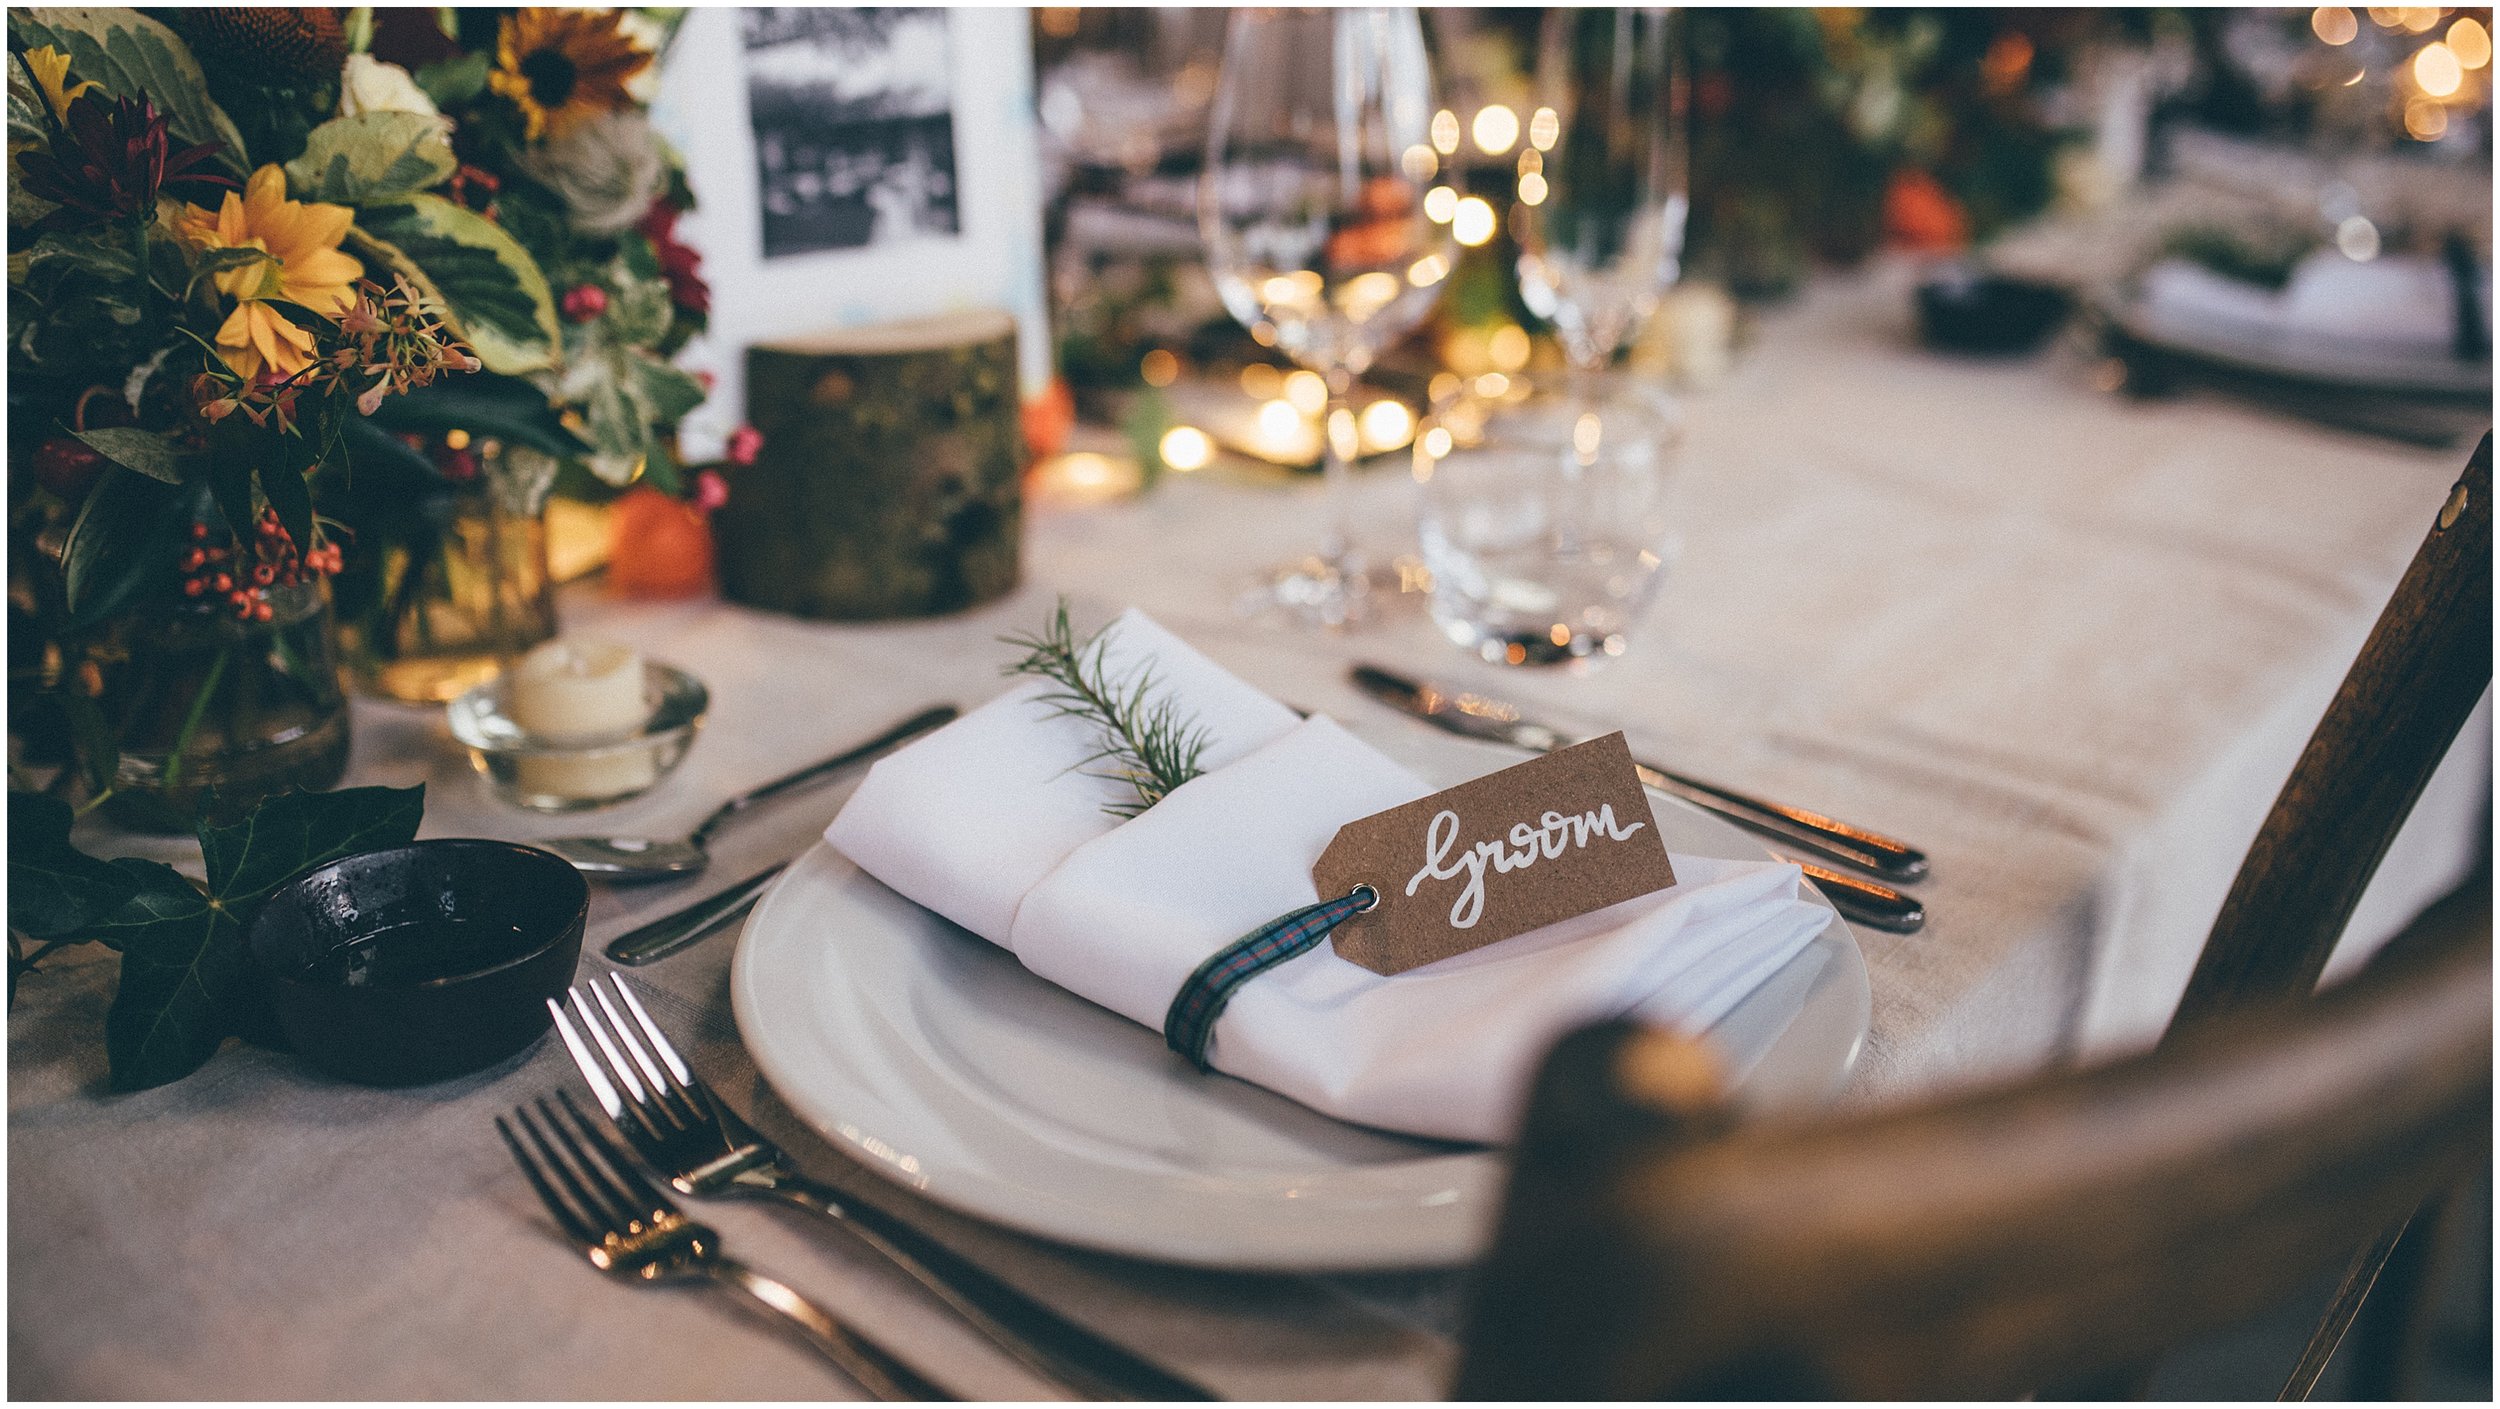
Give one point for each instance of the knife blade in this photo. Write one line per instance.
(675, 930)
(1480, 717)
(1876, 906)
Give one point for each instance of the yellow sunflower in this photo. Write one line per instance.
(304, 265)
(51, 69)
(561, 67)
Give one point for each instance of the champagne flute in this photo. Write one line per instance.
(1319, 152)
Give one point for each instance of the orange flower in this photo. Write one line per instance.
(51, 69)
(561, 67)
(301, 264)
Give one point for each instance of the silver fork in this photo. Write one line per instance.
(704, 1149)
(633, 1232)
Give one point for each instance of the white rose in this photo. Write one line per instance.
(371, 86)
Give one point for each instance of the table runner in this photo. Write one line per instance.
(2070, 645)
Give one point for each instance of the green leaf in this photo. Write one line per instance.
(185, 980)
(183, 966)
(284, 488)
(295, 831)
(483, 404)
(231, 457)
(54, 888)
(97, 744)
(370, 157)
(486, 284)
(119, 544)
(455, 83)
(672, 394)
(147, 452)
(638, 310)
(132, 56)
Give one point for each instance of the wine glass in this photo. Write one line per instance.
(1602, 201)
(1319, 153)
(1546, 534)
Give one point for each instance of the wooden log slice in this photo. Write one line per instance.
(891, 479)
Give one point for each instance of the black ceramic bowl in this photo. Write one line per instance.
(1962, 310)
(421, 962)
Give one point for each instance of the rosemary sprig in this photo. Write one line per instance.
(1148, 743)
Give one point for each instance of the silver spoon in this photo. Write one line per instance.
(628, 860)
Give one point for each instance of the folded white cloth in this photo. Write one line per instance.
(981, 823)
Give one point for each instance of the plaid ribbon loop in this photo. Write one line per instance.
(1189, 1024)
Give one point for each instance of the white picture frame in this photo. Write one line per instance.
(994, 258)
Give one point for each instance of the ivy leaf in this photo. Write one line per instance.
(295, 831)
(147, 452)
(182, 967)
(185, 980)
(132, 56)
(486, 284)
(369, 157)
(54, 888)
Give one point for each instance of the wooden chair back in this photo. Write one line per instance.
(2417, 679)
(1983, 1247)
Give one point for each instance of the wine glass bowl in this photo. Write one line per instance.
(1319, 153)
(1604, 239)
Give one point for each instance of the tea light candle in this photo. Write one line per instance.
(578, 692)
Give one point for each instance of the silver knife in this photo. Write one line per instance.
(1479, 717)
(675, 930)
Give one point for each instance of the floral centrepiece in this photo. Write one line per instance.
(193, 341)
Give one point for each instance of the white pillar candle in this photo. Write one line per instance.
(578, 692)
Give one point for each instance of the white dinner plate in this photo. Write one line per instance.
(949, 1068)
(2301, 354)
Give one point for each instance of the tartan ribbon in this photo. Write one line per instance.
(1189, 1024)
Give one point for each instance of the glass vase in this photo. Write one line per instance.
(443, 594)
(215, 714)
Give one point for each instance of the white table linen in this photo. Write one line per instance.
(2069, 644)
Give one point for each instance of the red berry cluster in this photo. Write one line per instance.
(242, 573)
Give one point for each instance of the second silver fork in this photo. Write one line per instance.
(703, 1148)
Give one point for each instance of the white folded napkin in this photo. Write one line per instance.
(981, 823)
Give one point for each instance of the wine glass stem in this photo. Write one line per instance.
(1339, 443)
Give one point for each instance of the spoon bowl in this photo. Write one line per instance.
(634, 860)
(630, 858)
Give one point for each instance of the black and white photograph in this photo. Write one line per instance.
(854, 126)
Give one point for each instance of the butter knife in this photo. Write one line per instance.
(1479, 717)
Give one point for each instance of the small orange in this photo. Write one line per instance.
(658, 546)
(1920, 214)
(1047, 420)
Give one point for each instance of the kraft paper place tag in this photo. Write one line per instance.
(1557, 836)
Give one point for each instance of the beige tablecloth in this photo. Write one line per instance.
(2067, 644)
